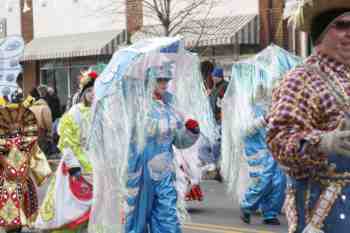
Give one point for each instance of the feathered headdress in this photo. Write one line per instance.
(87, 78)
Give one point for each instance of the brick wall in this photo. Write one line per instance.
(134, 16)
(264, 12)
(27, 22)
(30, 75)
(278, 25)
(272, 27)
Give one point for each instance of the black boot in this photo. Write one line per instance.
(245, 217)
(272, 221)
(218, 176)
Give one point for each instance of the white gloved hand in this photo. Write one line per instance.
(345, 123)
(69, 158)
(258, 123)
(336, 141)
(311, 229)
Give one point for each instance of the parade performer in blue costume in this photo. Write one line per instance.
(146, 100)
(268, 181)
(254, 178)
(155, 203)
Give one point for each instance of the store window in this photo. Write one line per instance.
(58, 80)
(75, 73)
(63, 76)
(63, 79)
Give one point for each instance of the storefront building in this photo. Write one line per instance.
(62, 39)
(58, 60)
(65, 37)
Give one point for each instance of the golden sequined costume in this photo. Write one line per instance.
(21, 164)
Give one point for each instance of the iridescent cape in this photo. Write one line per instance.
(265, 68)
(123, 95)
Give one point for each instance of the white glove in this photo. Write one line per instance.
(336, 141)
(311, 229)
(69, 158)
(258, 123)
(345, 123)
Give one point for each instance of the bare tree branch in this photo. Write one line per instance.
(203, 26)
(173, 16)
(189, 9)
(183, 16)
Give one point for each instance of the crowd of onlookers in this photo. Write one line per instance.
(47, 110)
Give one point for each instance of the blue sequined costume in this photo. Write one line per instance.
(152, 196)
(335, 195)
(267, 189)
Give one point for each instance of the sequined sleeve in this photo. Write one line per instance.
(70, 138)
(39, 165)
(293, 134)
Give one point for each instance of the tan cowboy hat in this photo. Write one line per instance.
(307, 10)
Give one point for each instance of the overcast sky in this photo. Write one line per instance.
(224, 8)
(230, 7)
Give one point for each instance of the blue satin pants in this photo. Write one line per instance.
(267, 194)
(156, 210)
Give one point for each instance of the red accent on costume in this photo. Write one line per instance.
(80, 188)
(191, 124)
(195, 194)
(222, 93)
(157, 96)
(93, 75)
(79, 221)
(65, 169)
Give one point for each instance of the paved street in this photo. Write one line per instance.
(216, 214)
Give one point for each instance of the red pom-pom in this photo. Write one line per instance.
(195, 194)
(157, 96)
(191, 124)
(93, 74)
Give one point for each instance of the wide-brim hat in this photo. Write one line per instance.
(308, 10)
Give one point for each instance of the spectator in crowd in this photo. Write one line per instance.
(43, 115)
(216, 94)
(56, 111)
(54, 103)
